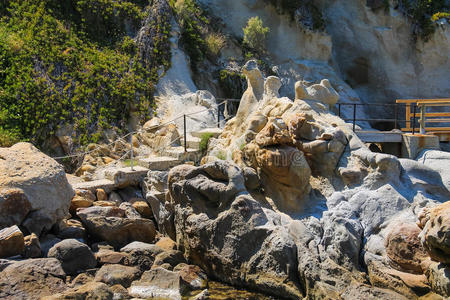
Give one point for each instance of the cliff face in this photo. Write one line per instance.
(370, 55)
(374, 50)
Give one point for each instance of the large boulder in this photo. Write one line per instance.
(46, 191)
(14, 206)
(110, 224)
(435, 236)
(221, 228)
(11, 241)
(159, 283)
(117, 274)
(32, 279)
(73, 255)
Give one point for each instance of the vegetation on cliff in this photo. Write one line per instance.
(71, 62)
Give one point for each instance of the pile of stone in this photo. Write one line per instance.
(57, 243)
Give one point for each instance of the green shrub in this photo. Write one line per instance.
(204, 139)
(8, 138)
(422, 15)
(55, 69)
(215, 42)
(255, 34)
(440, 15)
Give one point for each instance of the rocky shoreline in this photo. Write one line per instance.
(301, 209)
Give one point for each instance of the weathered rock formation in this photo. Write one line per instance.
(34, 192)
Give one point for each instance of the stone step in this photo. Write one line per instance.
(181, 155)
(214, 131)
(105, 184)
(192, 142)
(123, 177)
(159, 163)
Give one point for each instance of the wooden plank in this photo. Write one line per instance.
(428, 129)
(437, 120)
(425, 100)
(430, 101)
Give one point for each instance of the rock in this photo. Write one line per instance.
(193, 275)
(32, 279)
(120, 231)
(73, 255)
(48, 242)
(43, 182)
(437, 160)
(90, 290)
(117, 274)
(204, 295)
(166, 244)
(81, 279)
(11, 241)
(79, 202)
(14, 207)
(322, 92)
(438, 275)
(152, 123)
(141, 254)
(104, 203)
(88, 194)
(32, 247)
(227, 233)
(101, 195)
(158, 283)
(404, 249)
(172, 257)
(106, 256)
(435, 236)
(71, 229)
(130, 211)
(143, 209)
(115, 197)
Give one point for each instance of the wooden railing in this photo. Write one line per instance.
(416, 110)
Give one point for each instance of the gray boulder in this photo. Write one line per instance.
(73, 255)
(32, 279)
(222, 229)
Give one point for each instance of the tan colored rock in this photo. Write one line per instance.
(14, 207)
(71, 229)
(32, 246)
(143, 209)
(104, 203)
(435, 235)
(86, 194)
(101, 195)
(90, 290)
(79, 202)
(11, 241)
(43, 181)
(438, 275)
(193, 275)
(32, 279)
(151, 124)
(106, 256)
(117, 274)
(166, 243)
(404, 249)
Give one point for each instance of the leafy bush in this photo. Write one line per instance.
(55, 68)
(204, 139)
(313, 18)
(440, 15)
(422, 13)
(255, 34)
(214, 43)
(191, 19)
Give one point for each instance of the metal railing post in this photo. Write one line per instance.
(339, 110)
(354, 117)
(218, 115)
(414, 119)
(395, 115)
(422, 118)
(185, 137)
(131, 152)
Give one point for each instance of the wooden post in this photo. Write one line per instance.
(414, 119)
